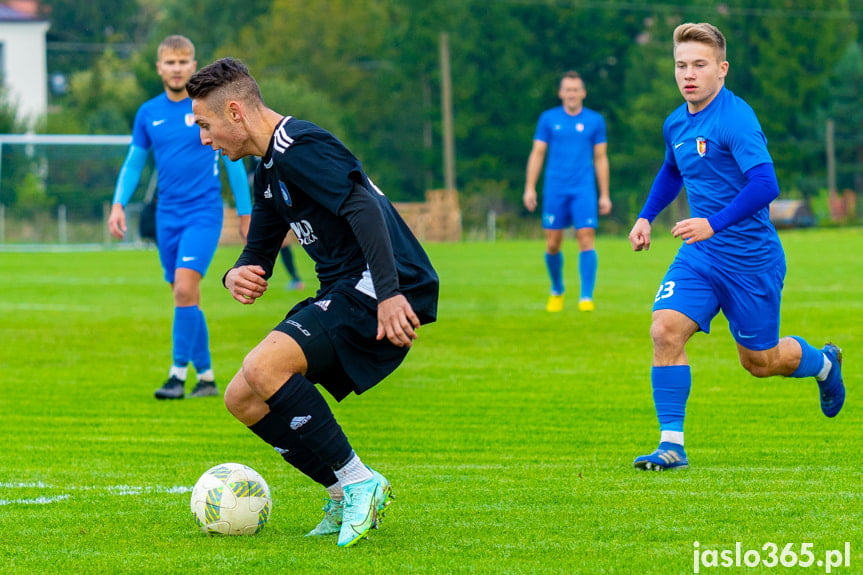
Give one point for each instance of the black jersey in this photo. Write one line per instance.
(301, 184)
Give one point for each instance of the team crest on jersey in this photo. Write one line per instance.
(190, 120)
(579, 127)
(701, 146)
(285, 194)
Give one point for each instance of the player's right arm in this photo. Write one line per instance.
(665, 188)
(534, 167)
(247, 279)
(246, 283)
(130, 175)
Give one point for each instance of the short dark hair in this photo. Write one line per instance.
(224, 80)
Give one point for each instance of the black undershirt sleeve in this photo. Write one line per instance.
(367, 222)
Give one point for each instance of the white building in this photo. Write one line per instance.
(22, 62)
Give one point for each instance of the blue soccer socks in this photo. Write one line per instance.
(201, 346)
(185, 331)
(811, 361)
(825, 365)
(587, 266)
(671, 385)
(554, 263)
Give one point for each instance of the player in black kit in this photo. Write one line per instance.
(377, 288)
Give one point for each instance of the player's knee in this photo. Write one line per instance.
(756, 367)
(261, 376)
(663, 335)
(234, 399)
(185, 295)
(253, 371)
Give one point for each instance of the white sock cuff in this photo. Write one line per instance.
(825, 371)
(179, 372)
(671, 437)
(353, 472)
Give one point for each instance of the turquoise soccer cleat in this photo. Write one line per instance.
(332, 521)
(384, 499)
(667, 456)
(362, 502)
(833, 388)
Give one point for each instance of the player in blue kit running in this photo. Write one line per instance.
(189, 212)
(377, 288)
(731, 258)
(574, 137)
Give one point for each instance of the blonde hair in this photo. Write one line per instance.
(176, 43)
(703, 33)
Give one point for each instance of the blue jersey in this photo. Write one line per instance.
(569, 160)
(188, 171)
(712, 150)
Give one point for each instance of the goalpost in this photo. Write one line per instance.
(56, 189)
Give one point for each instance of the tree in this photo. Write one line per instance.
(845, 89)
(78, 28)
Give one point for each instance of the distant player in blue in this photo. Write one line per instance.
(731, 258)
(574, 137)
(189, 211)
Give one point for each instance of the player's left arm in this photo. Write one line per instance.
(600, 166)
(761, 188)
(397, 320)
(239, 181)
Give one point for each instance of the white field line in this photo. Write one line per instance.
(113, 489)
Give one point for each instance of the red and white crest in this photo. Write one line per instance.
(701, 146)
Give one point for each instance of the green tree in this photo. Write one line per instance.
(104, 98)
(14, 168)
(845, 89)
(78, 28)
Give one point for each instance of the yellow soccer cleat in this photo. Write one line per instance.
(586, 305)
(555, 303)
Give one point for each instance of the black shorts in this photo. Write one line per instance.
(336, 331)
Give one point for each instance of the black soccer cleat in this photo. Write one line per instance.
(204, 389)
(173, 389)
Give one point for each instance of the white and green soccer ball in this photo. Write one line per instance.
(231, 499)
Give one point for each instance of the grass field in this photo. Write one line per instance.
(508, 434)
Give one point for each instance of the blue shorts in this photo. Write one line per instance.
(559, 211)
(189, 242)
(750, 302)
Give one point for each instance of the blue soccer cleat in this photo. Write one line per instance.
(832, 389)
(667, 456)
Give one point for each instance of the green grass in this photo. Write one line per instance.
(508, 433)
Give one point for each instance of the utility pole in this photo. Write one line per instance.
(446, 113)
(831, 156)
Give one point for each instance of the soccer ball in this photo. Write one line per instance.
(231, 499)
